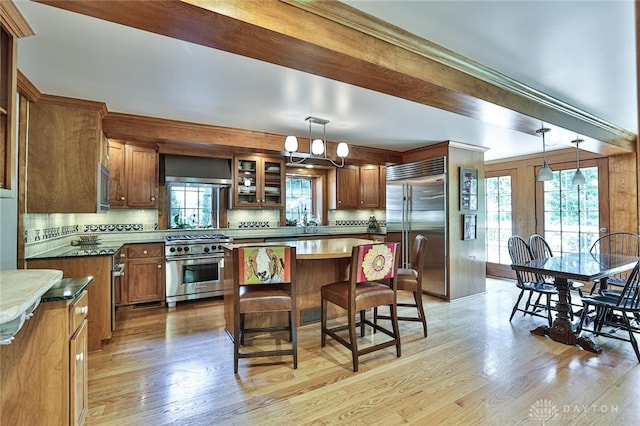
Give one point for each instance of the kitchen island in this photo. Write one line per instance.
(318, 262)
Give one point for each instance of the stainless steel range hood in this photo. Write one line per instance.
(182, 168)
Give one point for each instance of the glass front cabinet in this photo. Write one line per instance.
(259, 182)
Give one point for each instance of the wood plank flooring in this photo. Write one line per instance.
(176, 367)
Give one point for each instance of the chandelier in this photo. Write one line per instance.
(317, 147)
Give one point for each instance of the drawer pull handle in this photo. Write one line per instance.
(144, 252)
(82, 309)
(80, 357)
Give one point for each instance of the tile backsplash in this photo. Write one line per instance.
(42, 227)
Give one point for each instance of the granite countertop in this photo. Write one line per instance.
(21, 291)
(66, 288)
(109, 246)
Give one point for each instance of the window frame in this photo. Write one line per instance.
(215, 219)
(603, 192)
(498, 269)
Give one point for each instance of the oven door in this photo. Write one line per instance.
(194, 278)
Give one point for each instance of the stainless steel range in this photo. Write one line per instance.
(194, 266)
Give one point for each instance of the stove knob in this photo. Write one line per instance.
(172, 249)
(186, 249)
(179, 249)
(219, 247)
(206, 249)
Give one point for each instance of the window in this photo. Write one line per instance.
(299, 200)
(571, 213)
(193, 205)
(499, 218)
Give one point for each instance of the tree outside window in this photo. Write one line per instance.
(299, 206)
(193, 205)
(571, 213)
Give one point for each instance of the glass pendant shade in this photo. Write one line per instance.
(578, 178)
(317, 147)
(291, 144)
(342, 150)
(545, 173)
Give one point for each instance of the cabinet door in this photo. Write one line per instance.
(145, 280)
(141, 176)
(246, 182)
(369, 187)
(116, 171)
(79, 392)
(273, 183)
(63, 156)
(383, 187)
(347, 187)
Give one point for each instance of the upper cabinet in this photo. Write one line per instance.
(64, 153)
(259, 182)
(359, 187)
(134, 175)
(12, 26)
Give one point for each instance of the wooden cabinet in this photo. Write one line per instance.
(12, 26)
(134, 175)
(144, 279)
(99, 267)
(360, 187)
(43, 372)
(117, 189)
(259, 182)
(8, 62)
(64, 153)
(78, 360)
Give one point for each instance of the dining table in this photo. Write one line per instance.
(580, 267)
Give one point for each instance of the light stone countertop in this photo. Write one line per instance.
(315, 249)
(20, 289)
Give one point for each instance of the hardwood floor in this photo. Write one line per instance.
(475, 367)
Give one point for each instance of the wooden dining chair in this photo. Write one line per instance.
(614, 312)
(540, 249)
(371, 266)
(530, 284)
(621, 243)
(410, 280)
(264, 280)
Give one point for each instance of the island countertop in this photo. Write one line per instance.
(22, 288)
(333, 248)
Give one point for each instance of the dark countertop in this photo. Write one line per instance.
(66, 288)
(110, 247)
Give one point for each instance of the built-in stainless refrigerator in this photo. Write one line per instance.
(416, 204)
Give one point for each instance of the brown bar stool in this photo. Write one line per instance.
(410, 279)
(264, 281)
(370, 265)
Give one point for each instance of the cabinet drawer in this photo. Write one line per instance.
(145, 250)
(78, 311)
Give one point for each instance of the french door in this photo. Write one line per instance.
(569, 216)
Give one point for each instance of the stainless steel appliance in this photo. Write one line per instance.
(416, 204)
(194, 266)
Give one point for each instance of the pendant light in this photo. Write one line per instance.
(317, 147)
(545, 173)
(578, 178)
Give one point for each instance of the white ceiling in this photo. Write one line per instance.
(580, 52)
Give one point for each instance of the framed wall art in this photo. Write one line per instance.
(469, 226)
(468, 189)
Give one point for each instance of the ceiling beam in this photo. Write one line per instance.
(335, 41)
